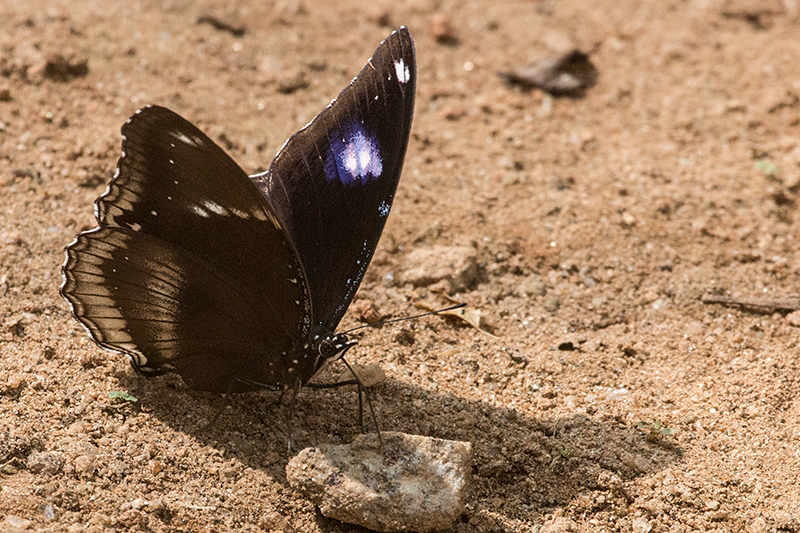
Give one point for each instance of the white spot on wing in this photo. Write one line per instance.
(197, 210)
(402, 71)
(186, 139)
(360, 157)
(215, 208)
(239, 213)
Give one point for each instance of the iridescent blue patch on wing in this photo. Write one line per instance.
(354, 156)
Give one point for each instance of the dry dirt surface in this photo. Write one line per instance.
(611, 397)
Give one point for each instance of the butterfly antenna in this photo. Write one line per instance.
(361, 387)
(383, 322)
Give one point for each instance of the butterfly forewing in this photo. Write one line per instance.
(333, 183)
(189, 269)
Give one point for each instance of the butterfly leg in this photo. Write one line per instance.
(360, 409)
(226, 401)
(290, 413)
(369, 402)
(355, 381)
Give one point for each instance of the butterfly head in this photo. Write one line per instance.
(334, 348)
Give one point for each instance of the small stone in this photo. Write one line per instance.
(411, 483)
(552, 305)
(628, 219)
(793, 318)
(65, 66)
(654, 506)
(89, 450)
(44, 463)
(684, 494)
(132, 518)
(15, 325)
(758, 525)
(291, 81)
(456, 264)
(641, 525)
(365, 310)
(11, 522)
(84, 466)
(48, 352)
(11, 237)
(533, 285)
(15, 381)
(228, 474)
(138, 503)
(719, 516)
(272, 520)
(370, 375)
(453, 112)
(617, 395)
(442, 30)
(381, 16)
(641, 464)
(608, 480)
(559, 524)
(404, 337)
(49, 511)
(288, 9)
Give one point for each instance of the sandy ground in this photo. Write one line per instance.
(597, 225)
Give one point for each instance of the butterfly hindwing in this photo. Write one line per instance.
(333, 183)
(189, 269)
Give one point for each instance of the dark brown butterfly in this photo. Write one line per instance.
(238, 282)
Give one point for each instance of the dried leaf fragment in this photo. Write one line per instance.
(568, 74)
(470, 315)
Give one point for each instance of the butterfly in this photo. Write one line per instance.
(238, 282)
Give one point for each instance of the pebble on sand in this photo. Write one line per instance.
(458, 265)
(412, 483)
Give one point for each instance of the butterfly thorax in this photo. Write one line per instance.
(333, 348)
